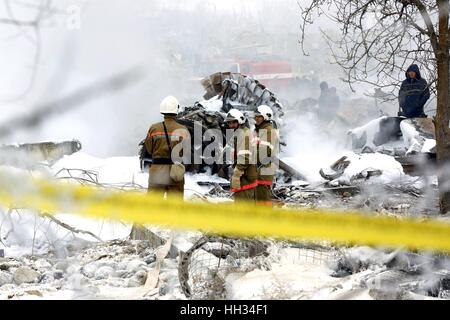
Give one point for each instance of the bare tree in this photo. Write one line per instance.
(379, 39)
(29, 29)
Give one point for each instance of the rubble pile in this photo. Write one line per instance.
(240, 92)
(390, 198)
(28, 154)
(204, 267)
(397, 274)
(297, 194)
(215, 268)
(224, 91)
(411, 141)
(94, 271)
(147, 265)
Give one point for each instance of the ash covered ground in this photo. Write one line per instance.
(68, 257)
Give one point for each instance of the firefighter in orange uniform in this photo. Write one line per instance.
(243, 180)
(267, 154)
(162, 138)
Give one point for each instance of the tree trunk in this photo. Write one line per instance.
(442, 114)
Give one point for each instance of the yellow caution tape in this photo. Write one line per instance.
(227, 219)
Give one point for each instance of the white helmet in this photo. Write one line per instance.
(264, 111)
(235, 115)
(169, 105)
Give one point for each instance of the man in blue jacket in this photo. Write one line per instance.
(413, 94)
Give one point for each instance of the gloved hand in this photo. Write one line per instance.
(236, 179)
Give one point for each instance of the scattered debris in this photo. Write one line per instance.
(410, 189)
(223, 92)
(5, 278)
(291, 172)
(203, 268)
(155, 265)
(376, 133)
(241, 92)
(25, 275)
(411, 141)
(219, 192)
(338, 169)
(29, 154)
(418, 135)
(296, 194)
(368, 173)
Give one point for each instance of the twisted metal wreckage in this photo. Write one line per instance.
(225, 91)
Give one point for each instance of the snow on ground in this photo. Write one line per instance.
(370, 130)
(124, 170)
(116, 170)
(43, 260)
(24, 233)
(191, 187)
(118, 270)
(213, 105)
(414, 141)
(35, 234)
(304, 281)
(391, 169)
(309, 165)
(294, 274)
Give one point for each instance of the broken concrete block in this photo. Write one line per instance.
(138, 279)
(77, 282)
(42, 264)
(135, 265)
(62, 265)
(47, 277)
(89, 269)
(103, 272)
(25, 275)
(6, 264)
(5, 278)
(375, 133)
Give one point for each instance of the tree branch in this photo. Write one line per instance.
(19, 23)
(426, 18)
(70, 228)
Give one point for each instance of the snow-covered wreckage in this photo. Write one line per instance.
(225, 91)
(411, 141)
(64, 256)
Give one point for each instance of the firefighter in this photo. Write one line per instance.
(243, 180)
(165, 175)
(267, 153)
